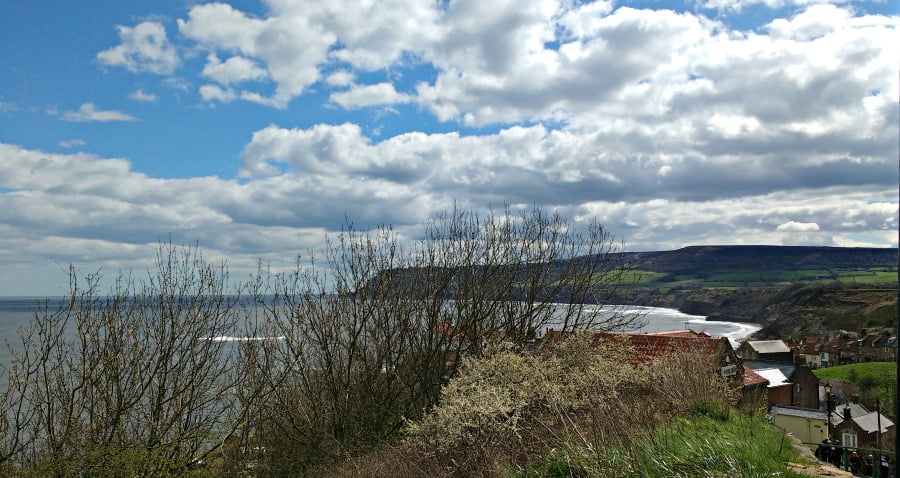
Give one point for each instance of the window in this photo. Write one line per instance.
(848, 438)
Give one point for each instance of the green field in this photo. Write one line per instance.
(769, 278)
(695, 446)
(872, 379)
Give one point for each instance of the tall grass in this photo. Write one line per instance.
(698, 445)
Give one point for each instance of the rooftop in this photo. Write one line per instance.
(799, 412)
(775, 377)
(769, 346)
(869, 422)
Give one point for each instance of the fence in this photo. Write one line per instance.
(866, 461)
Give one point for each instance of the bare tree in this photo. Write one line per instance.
(347, 348)
(132, 382)
(373, 331)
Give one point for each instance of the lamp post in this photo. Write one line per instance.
(827, 388)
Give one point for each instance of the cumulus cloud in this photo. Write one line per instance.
(736, 6)
(360, 96)
(89, 113)
(212, 93)
(340, 78)
(301, 181)
(236, 69)
(144, 48)
(671, 128)
(797, 226)
(524, 164)
(290, 46)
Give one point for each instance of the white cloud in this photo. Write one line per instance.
(794, 226)
(142, 96)
(300, 181)
(234, 70)
(340, 78)
(290, 46)
(211, 93)
(361, 96)
(736, 6)
(144, 47)
(89, 113)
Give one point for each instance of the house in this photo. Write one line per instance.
(804, 390)
(810, 426)
(848, 410)
(769, 350)
(688, 333)
(876, 348)
(648, 347)
(809, 354)
(779, 391)
(890, 349)
(754, 395)
(872, 430)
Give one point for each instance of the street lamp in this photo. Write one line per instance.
(827, 388)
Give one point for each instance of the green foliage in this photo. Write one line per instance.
(106, 462)
(872, 379)
(716, 409)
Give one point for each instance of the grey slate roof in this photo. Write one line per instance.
(800, 412)
(837, 416)
(769, 346)
(869, 422)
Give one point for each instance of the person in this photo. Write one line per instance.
(885, 466)
(835, 453)
(867, 466)
(855, 462)
(821, 450)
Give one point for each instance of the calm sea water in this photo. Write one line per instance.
(18, 312)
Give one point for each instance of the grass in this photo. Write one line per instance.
(876, 378)
(702, 445)
(738, 278)
(874, 277)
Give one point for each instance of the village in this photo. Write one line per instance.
(826, 417)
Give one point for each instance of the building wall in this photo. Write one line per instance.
(754, 397)
(780, 395)
(806, 388)
(807, 430)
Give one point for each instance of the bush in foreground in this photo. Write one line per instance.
(587, 406)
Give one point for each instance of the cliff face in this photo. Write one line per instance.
(792, 311)
(790, 291)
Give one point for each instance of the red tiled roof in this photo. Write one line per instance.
(691, 334)
(649, 346)
(752, 378)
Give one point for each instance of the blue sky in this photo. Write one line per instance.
(254, 127)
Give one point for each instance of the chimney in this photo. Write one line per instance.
(847, 413)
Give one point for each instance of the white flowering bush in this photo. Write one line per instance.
(509, 399)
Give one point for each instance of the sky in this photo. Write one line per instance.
(255, 129)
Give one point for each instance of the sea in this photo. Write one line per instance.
(18, 312)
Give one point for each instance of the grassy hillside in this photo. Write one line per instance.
(701, 445)
(872, 380)
(764, 266)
